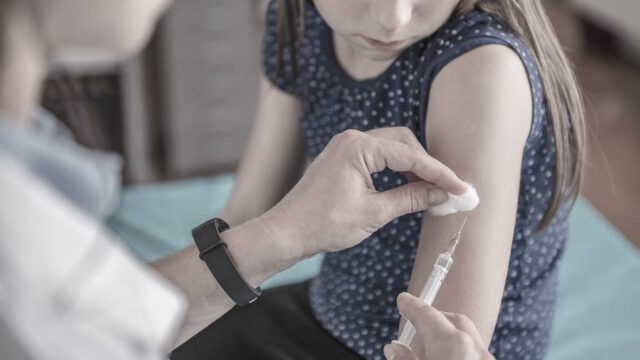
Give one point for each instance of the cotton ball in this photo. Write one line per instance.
(465, 202)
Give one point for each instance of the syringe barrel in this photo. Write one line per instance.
(434, 282)
(444, 260)
(408, 332)
(428, 294)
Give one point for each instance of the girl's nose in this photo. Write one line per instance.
(391, 15)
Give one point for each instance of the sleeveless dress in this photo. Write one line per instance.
(354, 295)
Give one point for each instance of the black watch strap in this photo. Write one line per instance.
(213, 251)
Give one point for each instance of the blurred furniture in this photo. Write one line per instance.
(209, 70)
(190, 99)
(90, 105)
(183, 107)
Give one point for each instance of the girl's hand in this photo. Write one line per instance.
(335, 205)
(439, 335)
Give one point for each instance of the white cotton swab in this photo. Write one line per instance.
(464, 202)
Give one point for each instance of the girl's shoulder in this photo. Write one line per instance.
(464, 33)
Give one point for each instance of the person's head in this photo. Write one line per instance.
(369, 24)
(115, 28)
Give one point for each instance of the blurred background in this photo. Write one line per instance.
(180, 115)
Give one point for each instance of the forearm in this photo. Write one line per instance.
(254, 195)
(264, 178)
(475, 283)
(257, 251)
(273, 160)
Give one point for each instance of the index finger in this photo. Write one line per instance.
(398, 156)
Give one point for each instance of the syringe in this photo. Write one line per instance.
(434, 282)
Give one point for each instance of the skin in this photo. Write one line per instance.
(276, 150)
(332, 207)
(478, 119)
(480, 139)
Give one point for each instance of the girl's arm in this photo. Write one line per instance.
(274, 159)
(479, 115)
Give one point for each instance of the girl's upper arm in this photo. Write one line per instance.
(478, 120)
(274, 157)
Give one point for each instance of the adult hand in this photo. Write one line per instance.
(442, 336)
(335, 205)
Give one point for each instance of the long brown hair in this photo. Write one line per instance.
(530, 22)
(289, 35)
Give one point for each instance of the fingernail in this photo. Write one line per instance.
(389, 352)
(464, 189)
(403, 297)
(437, 196)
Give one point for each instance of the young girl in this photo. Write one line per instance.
(486, 88)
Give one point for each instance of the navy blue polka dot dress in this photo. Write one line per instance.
(354, 295)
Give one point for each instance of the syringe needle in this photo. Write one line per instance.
(462, 226)
(454, 242)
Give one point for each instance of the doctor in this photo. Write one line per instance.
(47, 180)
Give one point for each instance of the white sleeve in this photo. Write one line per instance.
(67, 289)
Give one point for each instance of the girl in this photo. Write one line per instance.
(486, 88)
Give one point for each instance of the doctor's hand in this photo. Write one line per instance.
(335, 205)
(443, 336)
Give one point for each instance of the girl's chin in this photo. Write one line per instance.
(380, 55)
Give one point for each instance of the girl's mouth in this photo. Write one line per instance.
(382, 45)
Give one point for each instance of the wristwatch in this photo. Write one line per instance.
(213, 251)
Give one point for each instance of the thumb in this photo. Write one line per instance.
(397, 351)
(410, 198)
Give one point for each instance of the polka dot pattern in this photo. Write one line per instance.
(353, 297)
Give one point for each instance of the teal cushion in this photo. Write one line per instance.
(598, 315)
(156, 220)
